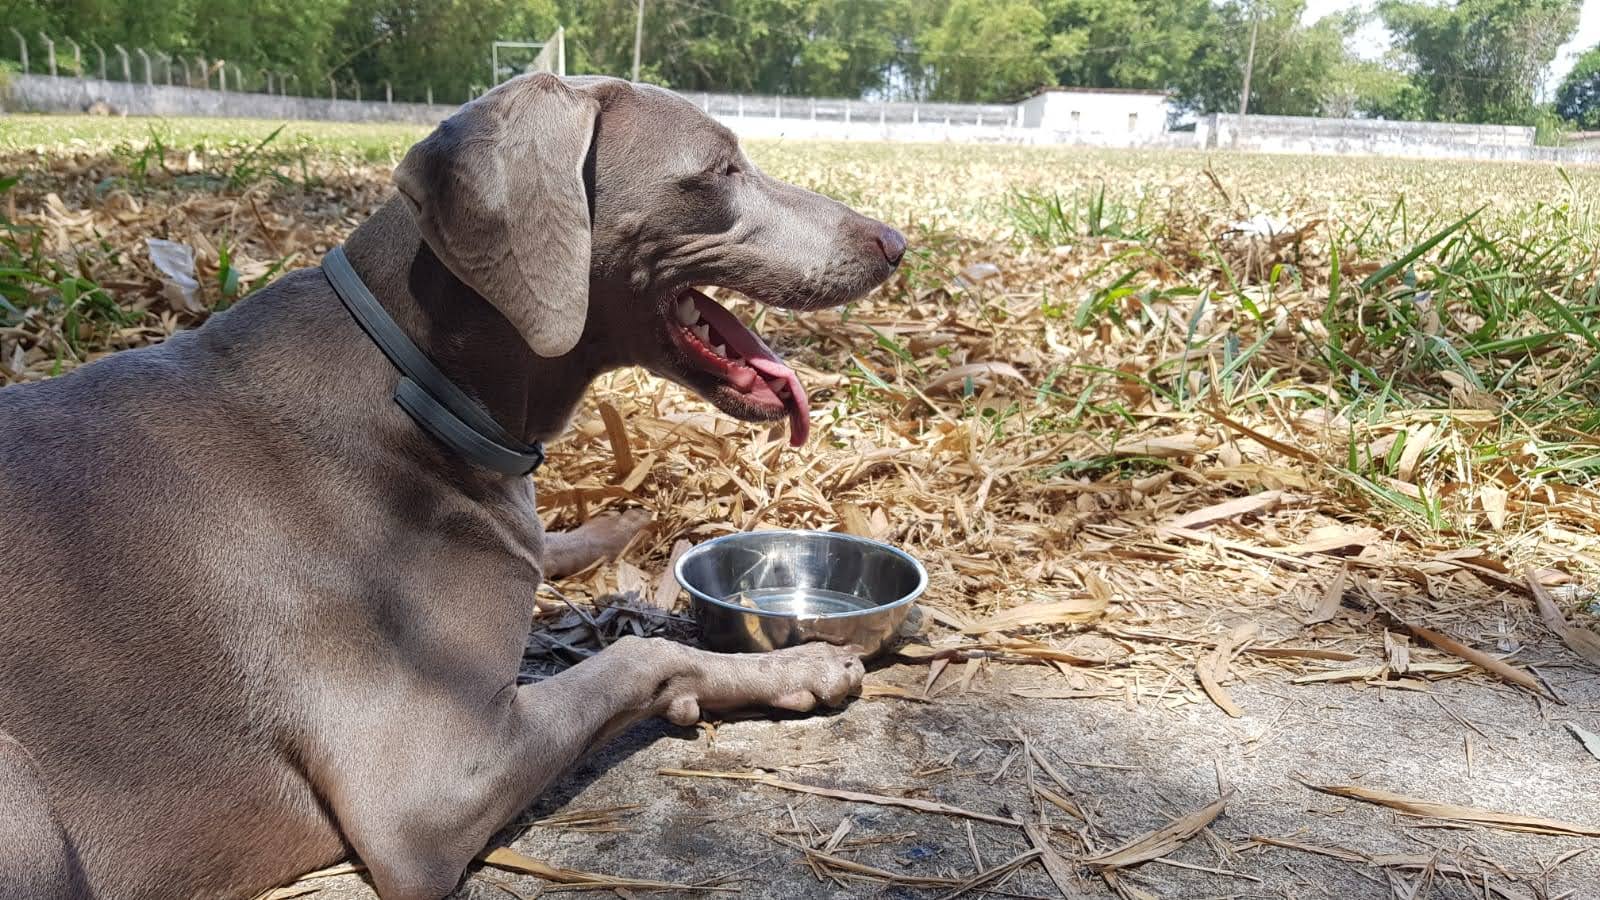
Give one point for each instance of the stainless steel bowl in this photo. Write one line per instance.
(768, 589)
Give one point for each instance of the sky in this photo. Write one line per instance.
(1374, 39)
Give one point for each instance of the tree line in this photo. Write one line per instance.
(1467, 60)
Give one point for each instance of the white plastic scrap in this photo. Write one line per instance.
(1260, 225)
(978, 273)
(176, 261)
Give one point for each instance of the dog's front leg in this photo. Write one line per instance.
(418, 841)
(601, 538)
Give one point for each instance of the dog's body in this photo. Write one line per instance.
(256, 620)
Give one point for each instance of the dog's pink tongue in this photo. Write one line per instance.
(760, 357)
(798, 404)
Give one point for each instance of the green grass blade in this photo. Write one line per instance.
(1410, 256)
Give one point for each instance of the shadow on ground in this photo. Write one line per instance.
(1131, 768)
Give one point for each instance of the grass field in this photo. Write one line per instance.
(1142, 408)
(1391, 298)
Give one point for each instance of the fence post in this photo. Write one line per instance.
(740, 99)
(222, 75)
(269, 82)
(430, 95)
(205, 74)
(813, 109)
(188, 78)
(77, 57)
(333, 89)
(148, 80)
(238, 79)
(847, 112)
(915, 114)
(284, 81)
(358, 90)
(22, 42)
(49, 53)
(127, 70)
(102, 55)
(388, 92)
(777, 107)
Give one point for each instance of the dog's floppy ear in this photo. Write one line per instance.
(497, 191)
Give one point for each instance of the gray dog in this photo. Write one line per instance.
(254, 619)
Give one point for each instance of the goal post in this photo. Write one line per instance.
(508, 59)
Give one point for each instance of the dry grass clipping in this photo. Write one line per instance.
(1426, 808)
(1163, 840)
(927, 806)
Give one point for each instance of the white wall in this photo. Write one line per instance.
(1371, 137)
(43, 93)
(1096, 117)
(893, 132)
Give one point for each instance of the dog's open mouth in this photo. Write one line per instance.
(718, 344)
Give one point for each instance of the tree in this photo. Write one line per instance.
(1480, 60)
(988, 50)
(852, 46)
(1368, 89)
(937, 49)
(421, 44)
(1127, 43)
(813, 47)
(1578, 99)
(258, 35)
(1293, 62)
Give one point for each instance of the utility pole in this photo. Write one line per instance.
(638, 39)
(1249, 61)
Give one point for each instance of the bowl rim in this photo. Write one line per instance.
(736, 537)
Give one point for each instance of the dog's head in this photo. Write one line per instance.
(591, 209)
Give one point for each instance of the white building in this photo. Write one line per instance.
(1102, 116)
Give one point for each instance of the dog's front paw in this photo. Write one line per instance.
(813, 673)
(797, 678)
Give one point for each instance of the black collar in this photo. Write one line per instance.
(428, 397)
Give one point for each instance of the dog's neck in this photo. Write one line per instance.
(471, 342)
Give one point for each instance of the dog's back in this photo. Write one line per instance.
(131, 544)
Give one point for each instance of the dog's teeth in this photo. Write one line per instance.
(687, 312)
(703, 332)
(721, 350)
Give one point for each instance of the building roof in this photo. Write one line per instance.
(1062, 89)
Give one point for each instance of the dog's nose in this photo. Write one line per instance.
(893, 244)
